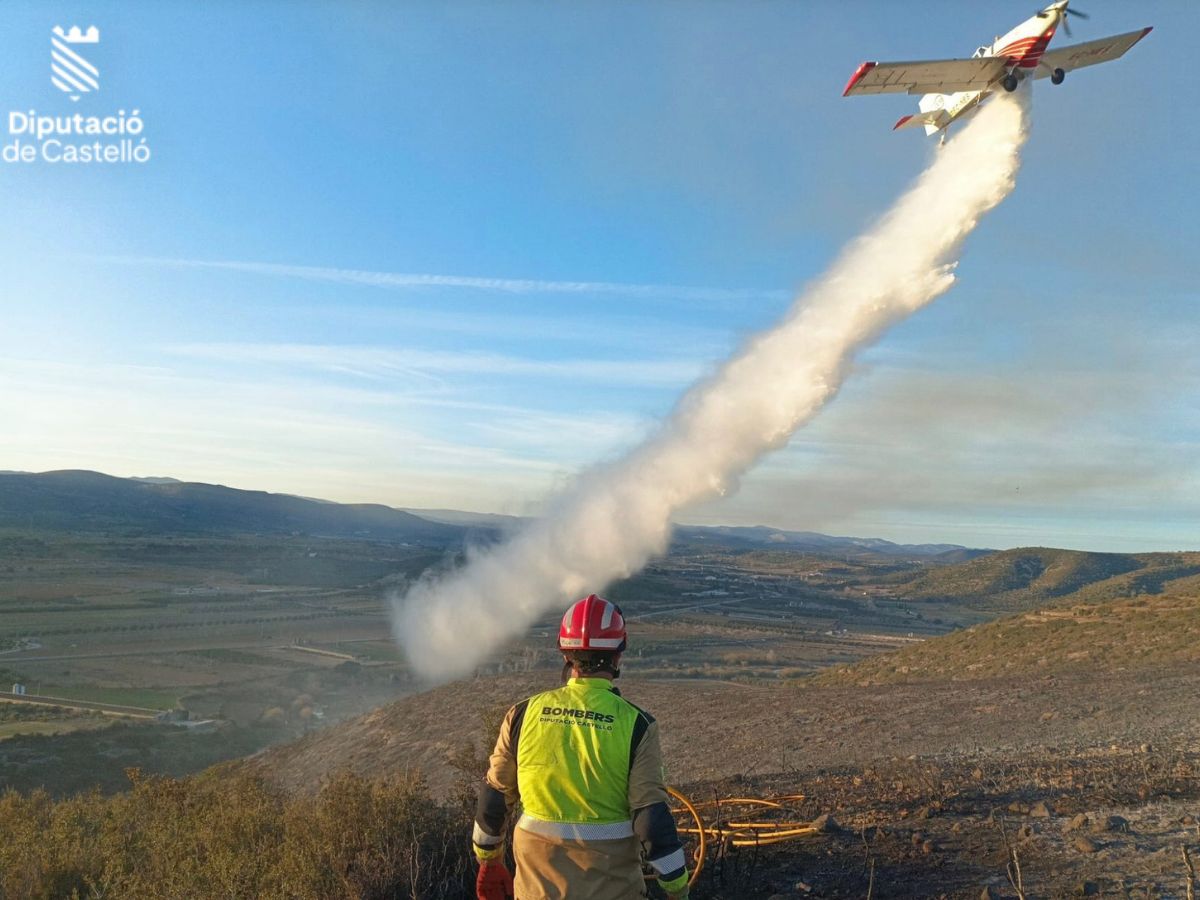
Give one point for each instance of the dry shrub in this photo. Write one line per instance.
(372, 839)
(235, 837)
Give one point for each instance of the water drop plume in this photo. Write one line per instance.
(616, 516)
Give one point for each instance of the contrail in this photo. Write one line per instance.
(615, 517)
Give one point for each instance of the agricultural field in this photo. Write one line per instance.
(22, 719)
(225, 628)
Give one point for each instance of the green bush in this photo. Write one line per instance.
(218, 836)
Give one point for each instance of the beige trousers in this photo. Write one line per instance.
(577, 870)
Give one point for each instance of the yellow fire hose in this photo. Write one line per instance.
(733, 832)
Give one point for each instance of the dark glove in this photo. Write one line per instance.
(494, 881)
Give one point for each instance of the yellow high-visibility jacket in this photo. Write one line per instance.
(585, 765)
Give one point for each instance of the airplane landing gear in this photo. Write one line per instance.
(1057, 76)
(1010, 82)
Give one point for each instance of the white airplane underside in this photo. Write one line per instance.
(953, 87)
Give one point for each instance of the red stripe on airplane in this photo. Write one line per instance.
(1031, 40)
(1013, 49)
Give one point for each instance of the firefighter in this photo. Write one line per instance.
(587, 768)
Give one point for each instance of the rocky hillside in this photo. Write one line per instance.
(714, 731)
(1102, 638)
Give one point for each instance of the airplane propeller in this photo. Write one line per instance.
(1067, 11)
(1072, 12)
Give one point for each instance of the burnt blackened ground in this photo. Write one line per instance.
(1106, 821)
(921, 777)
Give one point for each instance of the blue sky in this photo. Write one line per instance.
(445, 255)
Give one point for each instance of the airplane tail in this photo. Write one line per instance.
(933, 113)
(933, 120)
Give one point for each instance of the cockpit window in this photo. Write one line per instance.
(982, 51)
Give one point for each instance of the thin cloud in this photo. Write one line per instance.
(126, 419)
(646, 333)
(411, 280)
(375, 362)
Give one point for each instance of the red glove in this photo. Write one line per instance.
(494, 881)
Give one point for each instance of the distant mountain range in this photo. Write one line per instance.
(89, 502)
(84, 501)
(763, 537)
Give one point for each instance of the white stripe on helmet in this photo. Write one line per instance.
(605, 643)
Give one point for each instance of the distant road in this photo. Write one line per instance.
(167, 650)
(112, 709)
(207, 623)
(690, 608)
(159, 652)
(208, 645)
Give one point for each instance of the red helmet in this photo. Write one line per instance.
(592, 623)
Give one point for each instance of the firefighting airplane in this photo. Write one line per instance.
(953, 87)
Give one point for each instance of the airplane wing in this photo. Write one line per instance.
(927, 76)
(1089, 53)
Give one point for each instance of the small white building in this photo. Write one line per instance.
(18, 688)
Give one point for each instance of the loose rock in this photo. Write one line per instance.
(1083, 845)
(825, 823)
(1110, 823)
(1041, 810)
(1077, 823)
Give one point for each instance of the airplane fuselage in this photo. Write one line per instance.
(1022, 47)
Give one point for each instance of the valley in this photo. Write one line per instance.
(927, 698)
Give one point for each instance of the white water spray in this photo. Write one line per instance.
(615, 517)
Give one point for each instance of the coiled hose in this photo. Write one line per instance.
(733, 822)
